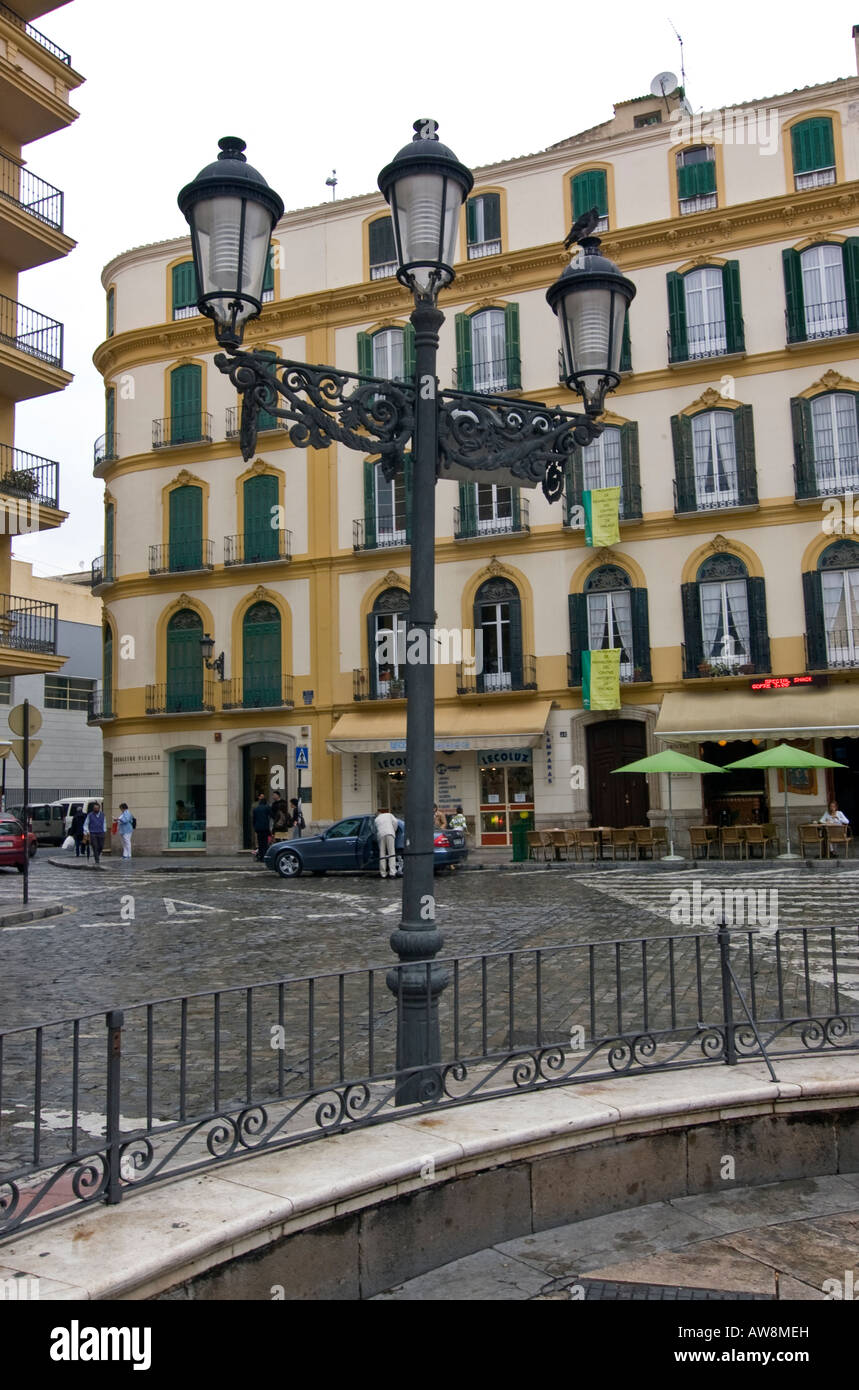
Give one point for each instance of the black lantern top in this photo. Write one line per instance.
(231, 212)
(425, 186)
(591, 298)
(207, 646)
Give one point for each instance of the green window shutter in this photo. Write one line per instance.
(492, 216)
(804, 472)
(471, 221)
(744, 433)
(107, 673)
(514, 364)
(464, 375)
(260, 537)
(372, 668)
(590, 190)
(110, 422)
(578, 606)
(111, 312)
(640, 632)
(184, 661)
(369, 505)
(186, 403)
(261, 663)
(812, 145)
(692, 635)
(185, 292)
(696, 180)
(630, 472)
(409, 352)
(625, 347)
(381, 238)
(679, 349)
(815, 631)
(268, 278)
(516, 664)
(467, 509)
(109, 528)
(407, 485)
(365, 354)
(186, 528)
(759, 640)
(684, 464)
(734, 332)
(266, 421)
(851, 282)
(792, 266)
(516, 508)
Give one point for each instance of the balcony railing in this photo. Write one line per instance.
(178, 556)
(182, 429)
(383, 684)
(29, 475)
(28, 625)
(841, 648)
(738, 487)
(630, 673)
(706, 668)
(814, 178)
(469, 524)
(700, 202)
(100, 706)
(31, 332)
(827, 477)
(263, 692)
(383, 270)
(478, 249)
(40, 199)
(103, 570)
(471, 682)
(489, 378)
(258, 547)
(629, 506)
(702, 340)
(264, 422)
(171, 698)
(105, 448)
(821, 321)
(378, 539)
(35, 34)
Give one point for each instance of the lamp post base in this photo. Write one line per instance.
(789, 856)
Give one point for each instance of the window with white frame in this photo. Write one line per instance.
(483, 225)
(494, 508)
(601, 462)
(705, 312)
(841, 616)
(610, 625)
(696, 179)
(725, 623)
(823, 291)
(836, 442)
(389, 354)
(390, 509)
(489, 351)
(714, 447)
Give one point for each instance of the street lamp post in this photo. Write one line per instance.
(232, 213)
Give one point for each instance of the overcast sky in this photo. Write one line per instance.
(337, 86)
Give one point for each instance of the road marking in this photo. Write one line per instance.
(170, 904)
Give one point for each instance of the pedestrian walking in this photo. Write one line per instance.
(386, 835)
(94, 827)
(79, 834)
(296, 818)
(280, 816)
(262, 825)
(457, 820)
(438, 819)
(126, 827)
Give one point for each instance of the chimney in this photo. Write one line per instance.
(856, 44)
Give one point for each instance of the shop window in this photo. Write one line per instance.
(187, 798)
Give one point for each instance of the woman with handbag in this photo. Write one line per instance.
(94, 828)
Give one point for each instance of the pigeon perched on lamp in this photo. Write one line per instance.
(582, 227)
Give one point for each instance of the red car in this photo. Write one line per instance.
(12, 843)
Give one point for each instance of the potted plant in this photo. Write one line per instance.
(20, 480)
(397, 688)
(704, 668)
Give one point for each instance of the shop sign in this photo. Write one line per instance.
(500, 756)
(383, 762)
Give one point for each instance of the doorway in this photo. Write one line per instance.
(617, 801)
(844, 786)
(738, 797)
(265, 768)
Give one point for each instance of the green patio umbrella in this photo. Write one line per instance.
(782, 755)
(669, 761)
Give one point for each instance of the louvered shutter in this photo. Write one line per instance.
(684, 464)
(514, 365)
(692, 635)
(109, 527)
(260, 537)
(758, 633)
(186, 404)
(471, 221)
(185, 292)
(266, 421)
(696, 180)
(110, 423)
(369, 505)
(186, 528)
(365, 354)
(794, 297)
(734, 331)
(812, 145)
(590, 190)
(381, 242)
(409, 352)
(575, 479)
(578, 606)
(407, 487)
(184, 661)
(815, 630)
(625, 346)
(268, 278)
(467, 510)
(744, 434)
(630, 496)
(516, 508)
(678, 346)
(640, 633)
(851, 282)
(805, 474)
(515, 667)
(464, 375)
(492, 216)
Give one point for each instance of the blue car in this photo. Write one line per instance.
(351, 844)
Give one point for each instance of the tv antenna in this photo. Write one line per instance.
(331, 182)
(682, 68)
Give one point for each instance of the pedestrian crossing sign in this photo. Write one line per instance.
(301, 755)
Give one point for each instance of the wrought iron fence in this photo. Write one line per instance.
(257, 547)
(106, 447)
(372, 536)
(521, 676)
(178, 698)
(28, 624)
(103, 570)
(489, 378)
(827, 320)
(369, 683)
(474, 520)
(629, 505)
(224, 1074)
(264, 692)
(265, 421)
(23, 474)
(828, 476)
(741, 665)
(702, 340)
(35, 34)
(100, 706)
(176, 556)
(31, 332)
(631, 672)
(40, 199)
(731, 485)
(195, 428)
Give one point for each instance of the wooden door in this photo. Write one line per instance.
(621, 800)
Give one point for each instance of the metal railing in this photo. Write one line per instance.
(181, 699)
(377, 540)
(202, 1074)
(827, 477)
(368, 684)
(182, 429)
(471, 682)
(40, 199)
(31, 332)
(489, 378)
(814, 178)
(469, 524)
(29, 475)
(630, 672)
(698, 202)
(177, 556)
(35, 34)
(105, 448)
(841, 649)
(264, 692)
(258, 547)
(383, 270)
(28, 625)
(103, 570)
(100, 706)
(739, 489)
(820, 321)
(264, 422)
(702, 340)
(478, 249)
(629, 506)
(708, 667)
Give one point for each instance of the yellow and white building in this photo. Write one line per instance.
(733, 435)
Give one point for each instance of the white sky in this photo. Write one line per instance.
(311, 88)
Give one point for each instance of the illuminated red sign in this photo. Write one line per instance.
(781, 682)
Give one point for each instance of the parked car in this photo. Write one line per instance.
(47, 820)
(12, 842)
(351, 844)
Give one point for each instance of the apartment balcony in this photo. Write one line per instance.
(703, 340)
(30, 490)
(265, 422)
(194, 697)
(736, 488)
(468, 524)
(19, 18)
(31, 352)
(263, 692)
(100, 706)
(371, 536)
(720, 667)
(28, 636)
(835, 650)
(180, 557)
(489, 378)
(258, 547)
(383, 271)
(31, 216)
(382, 684)
(106, 448)
(478, 249)
(520, 677)
(819, 321)
(34, 89)
(631, 673)
(103, 570)
(827, 476)
(174, 430)
(629, 506)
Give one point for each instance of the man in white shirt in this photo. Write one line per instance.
(386, 834)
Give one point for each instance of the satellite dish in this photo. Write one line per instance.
(663, 84)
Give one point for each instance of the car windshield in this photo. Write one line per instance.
(8, 826)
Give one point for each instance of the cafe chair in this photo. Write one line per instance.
(559, 844)
(535, 844)
(839, 835)
(608, 835)
(548, 844)
(644, 841)
(757, 835)
(660, 837)
(589, 839)
(572, 838)
(699, 839)
(731, 836)
(810, 835)
(623, 839)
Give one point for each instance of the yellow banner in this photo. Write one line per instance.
(602, 511)
(601, 679)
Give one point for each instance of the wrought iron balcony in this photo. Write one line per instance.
(177, 557)
(29, 475)
(105, 448)
(264, 422)
(629, 506)
(709, 668)
(630, 672)
(31, 332)
(738, 487)
(28, 625)
(820, 321)
(699, 202)
(519, 677)
(836, 650)
(468, 524)
(100, 706)
(35, 34)
(383, 271)
(489, 378)
(814, 178)
(478, 249)
(40, 199)
(263, 692)
(180, 698)
(370, 537)
(182, 429)
(702, 340)
(103, 570)
(258, 547)
(380, 684)
(827, 476)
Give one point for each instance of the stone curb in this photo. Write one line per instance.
(30, 914)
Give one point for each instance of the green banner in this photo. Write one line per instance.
(602, 512)
(601, 679)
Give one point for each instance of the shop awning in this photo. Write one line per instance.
(519, 725)
(800, 713)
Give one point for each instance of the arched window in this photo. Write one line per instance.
(186, 528)
(388, 353)
(107, 674)
(184, 661)
(714, 460)
(261, 659)
(387, 625)
(487, 351)
(822, 290)
(498, 628)
(186, 404)
(184, 290)
(813, 152)
(832, 607)
(696, 179)
(483, 225)
(383, 254)
(724, 615)
(705, 316)
(261, 536)
(610, 613)
(826, 443)
(589, 189)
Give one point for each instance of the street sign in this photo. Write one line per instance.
(18, 749)
(16, 721)
(301, 755)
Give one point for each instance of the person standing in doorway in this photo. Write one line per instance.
(94, 827)
(126, 826)
(296, 818)
(262, 825)
(386, 835)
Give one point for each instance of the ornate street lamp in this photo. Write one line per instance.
(425, 186)
(591, 299)
(207, 646)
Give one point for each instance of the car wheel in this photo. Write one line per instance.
(33, 851)
(288, 864)
(20, 868)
